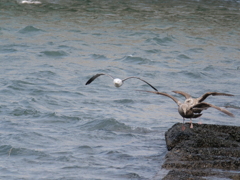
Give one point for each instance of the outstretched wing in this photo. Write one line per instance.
(164, 94)
(141, 80)
(203, 97)
(205, 106)
(186, 95)
(95, 76)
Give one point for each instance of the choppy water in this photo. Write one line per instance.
(54, 127)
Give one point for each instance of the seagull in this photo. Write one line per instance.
(184, 109)
(187, 110)
(116, 81)
(194, 101)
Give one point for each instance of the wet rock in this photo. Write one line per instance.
(204, 152)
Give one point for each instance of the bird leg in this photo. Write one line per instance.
(191, 126)
(183, 127)
(200, 122)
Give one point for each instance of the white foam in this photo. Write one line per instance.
(30, 2)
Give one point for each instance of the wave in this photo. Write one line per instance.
(98, 57)
(113, 125)
(25, 112)
(124, 101)
(195, 50)
(162, 41)
(53, 54)
(53, 117)
(12, 48)
(7, 49)
(187, 74)
(106, 124)
(133, 176)
(135, 60)
(9, 150)
(5, 149)
(29, 2)
(229, 105)
(19, 85)
(44, 73)
(29, 29)
(122, 7)
(183, 57)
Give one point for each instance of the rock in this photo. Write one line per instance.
(204, 152)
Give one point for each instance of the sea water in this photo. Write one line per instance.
(53, 126)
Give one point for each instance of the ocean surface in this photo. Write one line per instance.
(53, 126)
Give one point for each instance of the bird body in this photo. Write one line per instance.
(186, 111)
(116, 81)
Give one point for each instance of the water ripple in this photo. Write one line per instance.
(53, 54)
(30, 29)
(25, 112)
(7, 49)
(135, 60)
(55, 127)
(106, 124)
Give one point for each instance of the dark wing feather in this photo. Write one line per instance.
(207, 105)
(198, 110)
(95, 76)
(186, 95)
(164, 94)
(141, 80)
(203, 97)
(196, 115)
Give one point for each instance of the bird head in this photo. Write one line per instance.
(189, 101)
(117, 82)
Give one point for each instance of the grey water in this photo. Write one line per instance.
(53, 126)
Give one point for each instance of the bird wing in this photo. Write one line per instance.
(203, 97)
(164, 94)
(196, 115)
(198, 110)
(186, 95)
(95, 76)
(205, 106)
(141, 80)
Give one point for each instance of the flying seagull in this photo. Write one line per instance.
(194, 101)
(116, 81)
(187, 110)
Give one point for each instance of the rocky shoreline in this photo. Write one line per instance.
(205, 152)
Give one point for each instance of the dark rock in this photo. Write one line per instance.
(204, 152)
